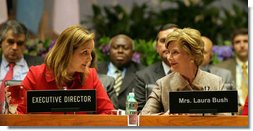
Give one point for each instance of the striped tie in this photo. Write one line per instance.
(118, 81)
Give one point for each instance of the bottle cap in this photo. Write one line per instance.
(131, 94)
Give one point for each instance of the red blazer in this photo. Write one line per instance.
(40, 78)
(245, 107)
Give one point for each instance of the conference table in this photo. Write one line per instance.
(121, 120)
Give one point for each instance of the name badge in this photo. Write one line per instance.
(203, 102)
(61, 100)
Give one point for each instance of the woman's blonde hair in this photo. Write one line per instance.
(190, 41)
(58, 58)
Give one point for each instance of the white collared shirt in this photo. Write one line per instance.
(20, 69)
(112, 71)
(166, 68)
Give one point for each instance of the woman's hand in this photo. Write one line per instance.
(7, 95)
(11, 108)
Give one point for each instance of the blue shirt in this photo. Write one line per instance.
(112, 71)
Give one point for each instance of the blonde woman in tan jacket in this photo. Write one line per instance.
(185, 56)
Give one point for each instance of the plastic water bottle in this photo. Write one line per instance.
(131, 110)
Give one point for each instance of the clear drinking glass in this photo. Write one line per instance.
(17, 94)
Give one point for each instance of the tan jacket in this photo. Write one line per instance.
(158, 101)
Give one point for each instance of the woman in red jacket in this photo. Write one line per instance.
(66, 67)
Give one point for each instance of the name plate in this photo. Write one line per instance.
(203, 102)
(61, 100)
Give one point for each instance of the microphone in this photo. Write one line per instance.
(206, 88)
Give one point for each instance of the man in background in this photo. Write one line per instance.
(206, 65)
(121, 67)
(107, 81)
(13, 37)
(239, 64)
(147, 77)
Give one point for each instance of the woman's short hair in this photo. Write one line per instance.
(58, 58)
(190, 41)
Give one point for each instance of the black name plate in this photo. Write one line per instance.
(203, 102)
(61, 100)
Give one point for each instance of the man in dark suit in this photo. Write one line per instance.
(151, 74)
(120, 54)
(206, 65)
(107, 81)
(13, 36)
(239, 63)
